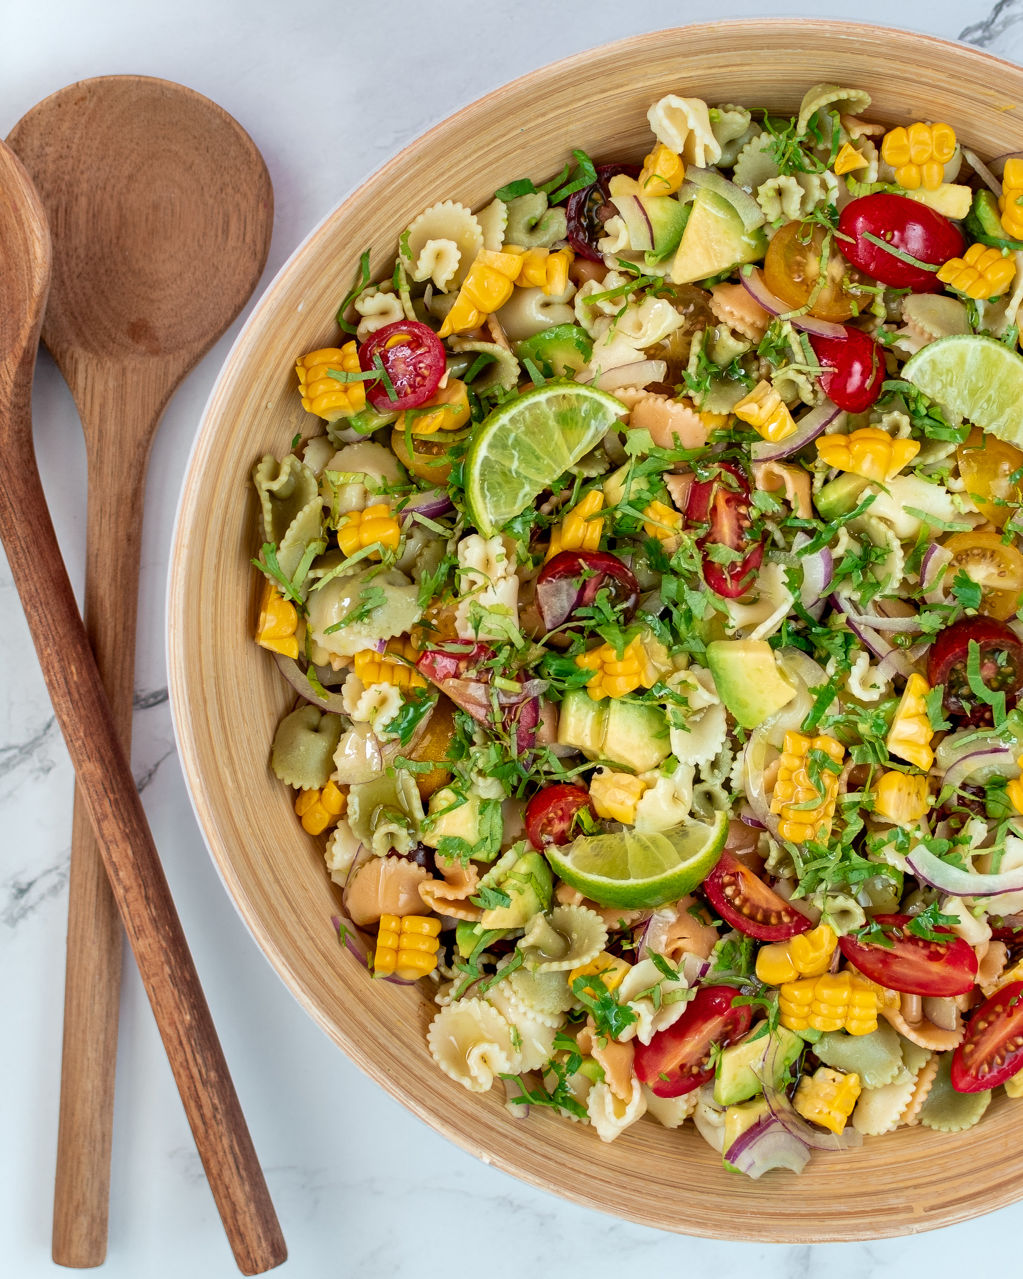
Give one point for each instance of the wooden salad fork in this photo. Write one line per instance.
(105, 782)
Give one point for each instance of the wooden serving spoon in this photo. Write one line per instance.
(161, 210)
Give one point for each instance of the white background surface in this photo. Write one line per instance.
(328, 91)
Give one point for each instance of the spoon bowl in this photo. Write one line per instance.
(161, 210)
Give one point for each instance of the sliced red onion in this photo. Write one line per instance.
(983, 172)
(298, 680)
(790, 1119)
(906, 625)
(895, 662)
(993, 758)
(429, 503)
(742, 202)
(932, 572)
(896, 659)
(753, 760)
(818, 571)
(748, 819)
(961, 883)
(765, 1146)
(808, 428)
(641, 373)
(754, 284)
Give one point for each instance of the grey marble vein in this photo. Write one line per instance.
(1002, 18)
(22, 896)
(18, 754)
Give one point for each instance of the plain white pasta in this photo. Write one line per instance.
(971, 928)
(372, 704)
(492, 222)
(533, 1039)
(862, 680)
(667, 801)
(670, 1112)
(489, 588)
(446, 221)
(794, 195)
(653, 1011)
(768, 608)
(611, 1115)
(472, 1043)
(530, 311)
(706, 727)
(615, 239)
(377, 307)
(683, 125)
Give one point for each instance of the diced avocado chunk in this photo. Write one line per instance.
(747, 679)
(582, 722)
(560, 351)
(840, 496)
(984, 222)
(714, 240)
(739, 1066)
(739, 1119)
(633, 734)
(468, 936)
(463, 824)
(654, 223)
(528, 886)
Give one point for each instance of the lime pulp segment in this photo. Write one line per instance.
(976, 377)
(632, 869)
(525, 446)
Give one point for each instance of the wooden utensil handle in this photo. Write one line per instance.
(134, 869)
(92, 970)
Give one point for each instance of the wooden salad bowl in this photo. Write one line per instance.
(227, 694)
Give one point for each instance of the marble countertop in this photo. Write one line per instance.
(328, 91)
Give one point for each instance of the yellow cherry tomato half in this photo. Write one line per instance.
(988, 466)
(792, 270)
(996, 568)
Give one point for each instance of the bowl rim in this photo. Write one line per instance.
(178, 681)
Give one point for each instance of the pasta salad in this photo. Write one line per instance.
(650, 590)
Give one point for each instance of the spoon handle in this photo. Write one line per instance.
(95, 938)
(132, 864)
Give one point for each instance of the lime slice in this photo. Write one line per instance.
(630, 869)
(974, 376)
(526, 445)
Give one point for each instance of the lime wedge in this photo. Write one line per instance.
(976, 377)
(629, 869)
(527, 444)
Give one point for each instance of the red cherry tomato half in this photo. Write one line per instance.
(587, 210)
(413, 358)
(992, 1050)
(908, 228)
(743, 900)
(853, 369)
(551, 815)
(1001, 665)
(912, 964)
(679, 1058)
(570, 580)
(723, 502)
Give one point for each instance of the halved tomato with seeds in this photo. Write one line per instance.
(992, 1051)
(681, 1058)
(902, 961)
(743, 900)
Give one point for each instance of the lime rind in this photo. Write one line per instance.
(526, 445)
(974, 377)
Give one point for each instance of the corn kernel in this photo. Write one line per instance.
(919, 154)
(396, 665)
(487, 287)
(803, 781)
(616, 795)
(580, 528)
(900, 797)
(1010, 202)
(446, 410)
(849, 160)
(869, 452)
(375, 526)
(614, 677)
(406, 946)
(805, 955)
(661, 521)
(278, 622)
(827, 1097)
(764, 410)
(320, 808)
(833, 1001)
(910, 734)
(545, 269)
(982, 272)
(1015, 788)
(324, 395)
(662, 173)
(611, 970)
